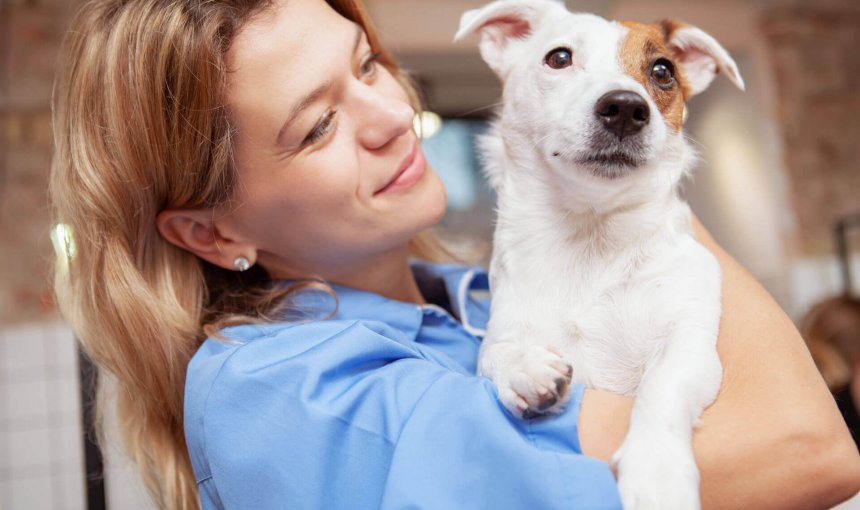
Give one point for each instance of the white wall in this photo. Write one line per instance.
(41, 452)
(41, 443)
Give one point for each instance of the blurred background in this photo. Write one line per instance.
(780, 168)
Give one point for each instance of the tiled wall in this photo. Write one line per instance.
(41, 457)
(41, 445)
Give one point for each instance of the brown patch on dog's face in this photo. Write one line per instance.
(641, 49)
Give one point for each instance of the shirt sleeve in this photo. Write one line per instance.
(360, 420)
(461, 449)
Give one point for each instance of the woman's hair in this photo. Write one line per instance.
(140, 125)
(832, 331)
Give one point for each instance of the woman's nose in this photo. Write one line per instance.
(384, 117)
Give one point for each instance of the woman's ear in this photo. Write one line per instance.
(195, 231)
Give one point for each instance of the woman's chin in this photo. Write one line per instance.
(438, 198)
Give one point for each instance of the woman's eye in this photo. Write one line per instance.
(559, 58)
(321, 129)
(368, 67)
(663, 73)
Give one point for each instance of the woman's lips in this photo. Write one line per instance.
(410, 171)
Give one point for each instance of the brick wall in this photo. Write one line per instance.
(813, 45)
(814, 48)
(30, 34)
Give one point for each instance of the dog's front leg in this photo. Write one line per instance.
(655, 465)
(531, 377)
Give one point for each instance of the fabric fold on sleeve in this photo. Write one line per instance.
(341, 415)
(461, 449)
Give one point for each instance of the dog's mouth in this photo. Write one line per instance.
(612, 164)
(611, 159)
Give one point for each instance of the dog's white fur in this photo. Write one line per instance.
(596, 268)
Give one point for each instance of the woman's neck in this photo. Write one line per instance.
(388, 275)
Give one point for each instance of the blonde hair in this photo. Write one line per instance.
(832, 332)
(140, 125)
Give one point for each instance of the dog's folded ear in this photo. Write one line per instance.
(700, 55)
(501, 22)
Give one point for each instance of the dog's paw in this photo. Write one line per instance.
(657, 472)
(531, 380)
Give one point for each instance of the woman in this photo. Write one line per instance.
(832, 333)
(231, 167)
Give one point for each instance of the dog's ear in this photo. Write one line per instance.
(700, 55)
(500, 22)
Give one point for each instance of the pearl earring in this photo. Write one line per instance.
(241, 264)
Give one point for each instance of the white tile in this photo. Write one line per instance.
(65, 372)
(60, 345)
(5, 463)
(32, 494)
(67, 444)
(24, 349)
(29, 449)
(3, 358)
(66, 347)
(65, 398)
(5, 494)
(71, 491)
(27, 402)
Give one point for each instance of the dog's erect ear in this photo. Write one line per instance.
(500, 22)
(700, 55)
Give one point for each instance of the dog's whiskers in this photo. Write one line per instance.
(479, 109)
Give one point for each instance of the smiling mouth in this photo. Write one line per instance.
(411, 169)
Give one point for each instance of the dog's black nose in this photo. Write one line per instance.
(622, 112)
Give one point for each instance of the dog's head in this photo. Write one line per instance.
(601, 103)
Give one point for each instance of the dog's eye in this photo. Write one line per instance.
(663, 73)
(559, 58)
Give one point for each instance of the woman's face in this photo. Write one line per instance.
(331, 175)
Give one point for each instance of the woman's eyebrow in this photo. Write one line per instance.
(318, 92)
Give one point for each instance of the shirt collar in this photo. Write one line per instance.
(468, 292)
(467, 289)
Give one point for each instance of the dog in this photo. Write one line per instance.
(595, 267)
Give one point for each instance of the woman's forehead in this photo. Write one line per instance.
(286, 51)
(287, 28)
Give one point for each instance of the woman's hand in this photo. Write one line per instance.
(774, 437)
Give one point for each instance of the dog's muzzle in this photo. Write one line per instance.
(622, 113)
(615, 147)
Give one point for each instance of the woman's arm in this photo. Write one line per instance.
(774, 437)
(338, 414)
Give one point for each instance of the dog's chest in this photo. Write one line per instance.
(612, 335)
(612, 339)
(610, 322)
(611, 307)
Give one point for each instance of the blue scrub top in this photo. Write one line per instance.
(377, 407)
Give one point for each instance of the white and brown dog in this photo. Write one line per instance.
(595, 265)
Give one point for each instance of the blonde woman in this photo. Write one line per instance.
(832, 333)
(245, 171)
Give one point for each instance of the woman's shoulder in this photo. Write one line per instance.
(304, 365)
(319, 357)
(247, 348)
